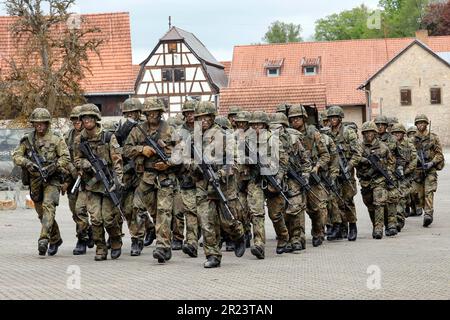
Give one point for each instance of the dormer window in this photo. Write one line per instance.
(310, 66)
(172, 46)
(273, 67)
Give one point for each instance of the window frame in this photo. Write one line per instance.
(183, 78)
(170, 47)
(170, 70)
(278, 72)
(439, 100)
(310, 73)
(406, 102)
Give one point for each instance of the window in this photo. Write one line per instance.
(405, 97)
(179, 75)
(310, 71)
(435, 94)
(167, 75)
(172, 47)
(273, 72)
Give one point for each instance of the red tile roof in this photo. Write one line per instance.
(344, 66)
(227, 65)
(267, 98)
(111, 72)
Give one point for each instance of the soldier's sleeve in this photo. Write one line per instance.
(334, 161)
(390, 162)
(131, 147)
(323, 154)
(77, 155)
(305, 161)
(413, 163)
(63, 154)
(283, 160)
(437, 148)
(116, 157)
(18, 155)
(355, 147)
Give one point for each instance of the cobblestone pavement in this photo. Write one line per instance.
(413, 265)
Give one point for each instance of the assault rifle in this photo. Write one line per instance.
(374, 161)
(152, 143)
(39, 161)
(343, 165)
(304, 184)
(314, 177)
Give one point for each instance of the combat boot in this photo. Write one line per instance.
(297, 247)
(176, 244)
(344, 230)
(108, 243)
(90, 242)
(316, 241)
(229, 246)
(258, 252)
(135, 250)
(427, 220)
(281, 248)
(400, 225)
(42, 247)
(167, 254)
(392, 231)
(53, 248)
(212, 262)
(239, 247)
(353, 233)
(329, 229)
(378, 234)
(419, 212)
(407, 212)
(149, 237)
(115, 253)
(190, 250)
(160, 255)
(101, 256)
(335, 232)
(248, 238)
(80, 248)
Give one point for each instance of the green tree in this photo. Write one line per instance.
(49, 60)
(280, 32)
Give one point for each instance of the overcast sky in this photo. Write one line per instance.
(218, 24)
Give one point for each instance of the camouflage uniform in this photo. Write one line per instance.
(209, 208)
(79, 214)
(318, 153)
(347, 140)
(406, 162)
(426, 180)
(101, 210)
(412, 199)
(55, 156)
(373, 184)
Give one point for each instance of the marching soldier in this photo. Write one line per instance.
(79, 214)
(349, 151)
(43, 156)
(232, 113)
(430, 159)
(100, 207)
(373, 183)
(155, 192)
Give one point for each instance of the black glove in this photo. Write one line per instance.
(428, 165)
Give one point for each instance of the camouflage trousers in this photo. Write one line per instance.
(46, 211)
(79, 214)
(391, 208)
(276, 206)
(348, 192)
(136, 221)
(244, 212)
(211, 219)
(425, 190)
(256, 211)
(158, 201)
(178, 217)
(375, 200)
(405, 194)
(103, 216)
(334, 213)
(295, 214)
(316, 209)
(189, 209)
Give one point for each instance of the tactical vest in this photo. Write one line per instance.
(101, 147)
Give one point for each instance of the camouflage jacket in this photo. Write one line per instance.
(369, 176)
(51, 148)
(332, 170)
(315, 145)
(347, 139)
(69, 137)
(108, 151)
(406, 156)
(144, 166)
(430, 145)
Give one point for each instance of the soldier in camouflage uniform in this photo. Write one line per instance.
(318, 153)
(137, 224)
(209, 208)
(406, 162)
(346, 139)
(430, 159)
(373, 184)
(158, 182)
(101, 210)
(412, 132)
(382, 123)
(54, 154)
(79, 214)
(412, 199)
(232, 115)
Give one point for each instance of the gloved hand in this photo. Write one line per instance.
(50, 169)
(428, 165)
(86, 165)
(364, 161)
(148, 151)
(161, 166)
(31, 166)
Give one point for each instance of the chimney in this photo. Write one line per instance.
(422, 35)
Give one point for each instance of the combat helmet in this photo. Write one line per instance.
(380, 119)
(131, 104)
(283, 108)
(243, 116)
(189, 105)
(280, 118)
(90, 109)
(205, 108)
(153, 104)
(223, 122)
(75, 113)
(369, 126)
(398, 127)
(40, 115)
(335, 111)
(412, 129)
(110, 125)
(259, 117)
(421, 117)
(234, 110)
(298, 111)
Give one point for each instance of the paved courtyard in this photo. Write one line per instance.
(413, 265)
